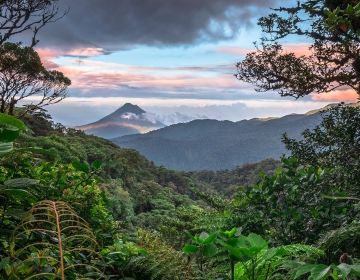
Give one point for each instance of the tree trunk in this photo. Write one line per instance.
(12, 107)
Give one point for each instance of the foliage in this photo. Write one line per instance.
(332, 60)
(10, 129)
(344, 17)
(345, 239)
(66, 166)
(228, 182)
(162, 261)
(23, 75)
(52, 241)
(248, 257)
(324, 272)
(333, 144)
(39, 122)
(291, 206)
(119, 255)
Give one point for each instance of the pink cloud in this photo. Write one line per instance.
(91, 74)
(346, 95)
(48, 55)
(297, 49)
(89, 79)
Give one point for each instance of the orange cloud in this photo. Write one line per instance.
(347, 95)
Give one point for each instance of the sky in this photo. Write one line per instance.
(174, 58)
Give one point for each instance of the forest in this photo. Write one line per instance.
(75, 206)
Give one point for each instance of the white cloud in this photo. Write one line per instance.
(75, 111)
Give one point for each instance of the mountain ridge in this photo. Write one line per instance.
(215, 145)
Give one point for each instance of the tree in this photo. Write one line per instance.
(22, 76)
(18, 16)
(334, 144)
(333, 62)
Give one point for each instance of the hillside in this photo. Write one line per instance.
(217, 145)
(128, 119)
(228, 182)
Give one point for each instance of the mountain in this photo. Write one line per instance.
(128, 119)
(216, 145)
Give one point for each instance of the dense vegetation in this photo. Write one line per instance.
(124, 217)
(229, 181)
(74, 206)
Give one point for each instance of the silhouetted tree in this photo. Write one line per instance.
(22, 76)
(333, 62)
(18, 16)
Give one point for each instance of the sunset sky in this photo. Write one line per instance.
(173, 58)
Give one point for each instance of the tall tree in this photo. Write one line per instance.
(333, 60)
(18, 16)
(22, 76)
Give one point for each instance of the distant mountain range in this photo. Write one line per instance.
(216, 145)
(128, 119)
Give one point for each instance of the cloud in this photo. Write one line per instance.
(90, 75)
(48, 55)
(176, 117)
(118, 24)
(345, 95)
(297, 49)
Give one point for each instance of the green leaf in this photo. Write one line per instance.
(355, 269)
(210, 239)
(345, 269)
(257, 241)
(11, 121)
(230, 233)
(20, 183)
(9, 134)
(320, 271)
(269, 254)
(20, 194)
(6, 148)
(209, 250)
(190, 249)
(304, 269)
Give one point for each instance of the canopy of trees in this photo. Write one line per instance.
(333, 61)
(22, 75)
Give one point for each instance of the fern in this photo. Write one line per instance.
(162, 261)
(273, 268)
(53, 242)
(343, 240)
